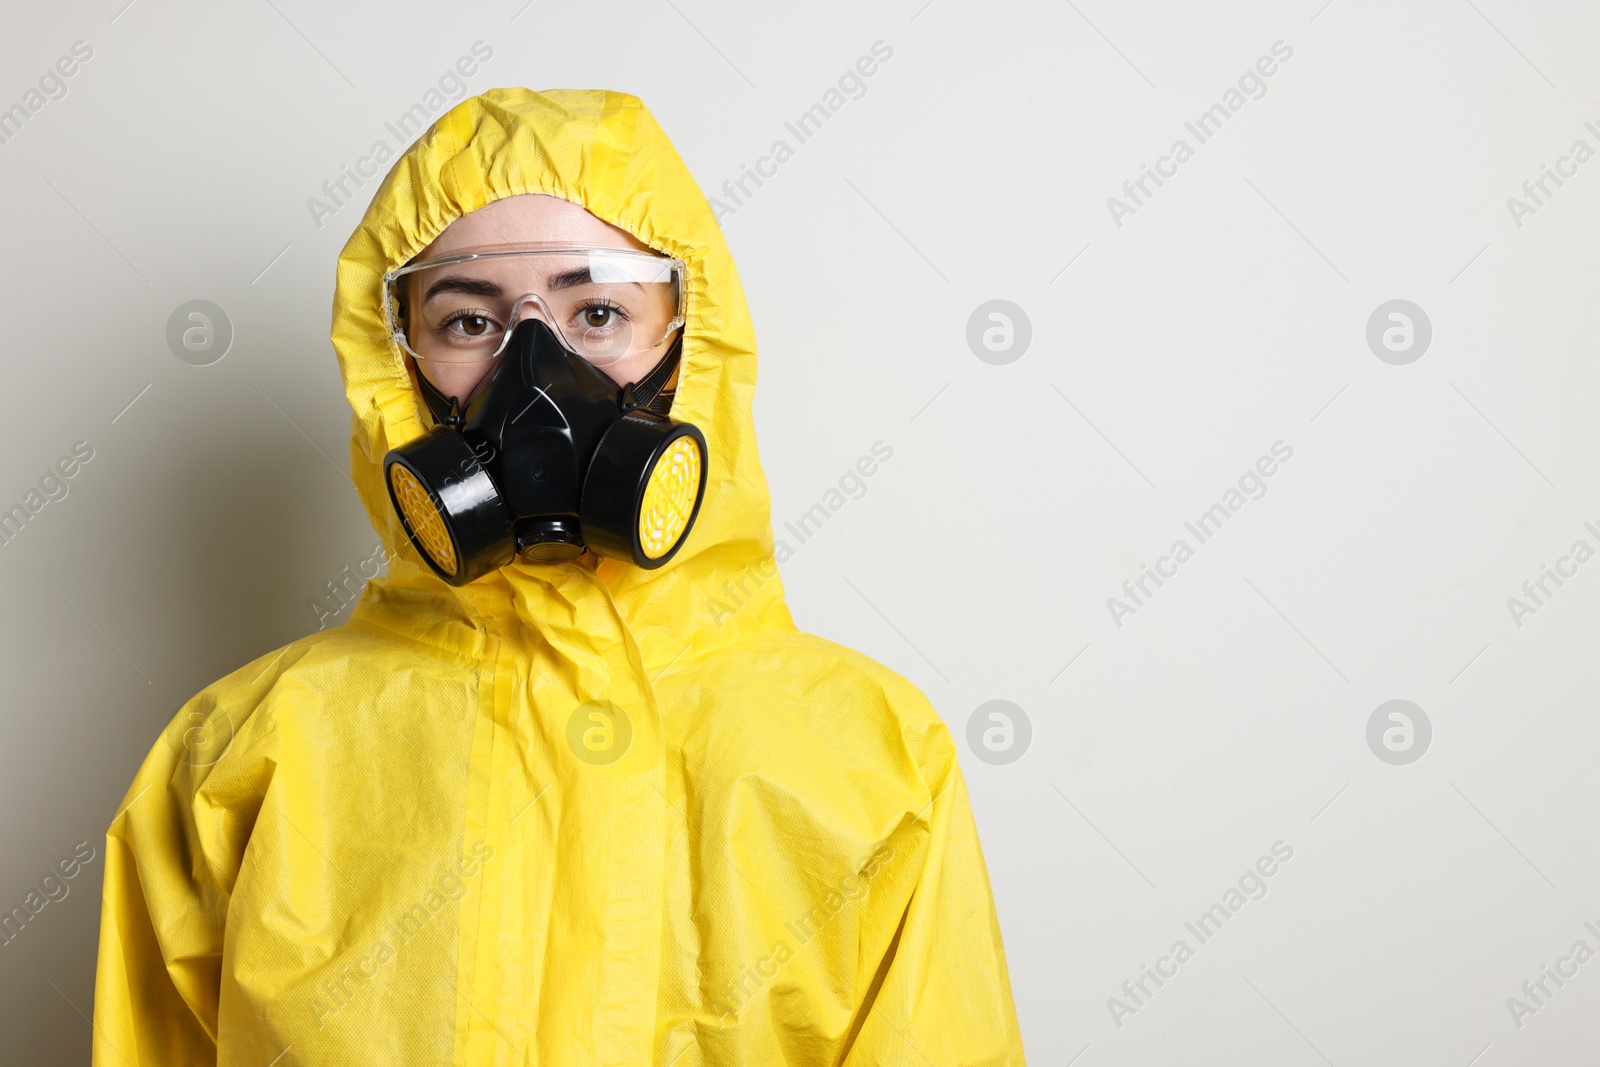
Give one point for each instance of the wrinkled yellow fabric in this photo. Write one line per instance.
(568, 814)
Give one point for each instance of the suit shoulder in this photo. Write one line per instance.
(304, 654)
(811, 654)
(812, 677)
(304, 678)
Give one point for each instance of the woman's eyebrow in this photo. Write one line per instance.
(577, 276)
(568, 278)
(456, 284)
(486, 288)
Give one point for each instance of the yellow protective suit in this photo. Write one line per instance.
(570, 814)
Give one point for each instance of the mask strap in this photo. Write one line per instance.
(652, 387)
(446, 409)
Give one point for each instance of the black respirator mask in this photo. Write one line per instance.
(550, 457)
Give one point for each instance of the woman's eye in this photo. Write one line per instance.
(597, 318)
(472, 325)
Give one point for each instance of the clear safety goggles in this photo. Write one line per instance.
(603, 303)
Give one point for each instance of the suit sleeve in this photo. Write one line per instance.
(172, 853)
(945, 996)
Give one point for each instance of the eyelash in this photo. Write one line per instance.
(480, 313)
(465, 313)
(600, 302)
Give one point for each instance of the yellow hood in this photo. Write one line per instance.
(562, 816)
(604, 151)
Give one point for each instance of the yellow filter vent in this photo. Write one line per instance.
(669, 497)
(426, 525)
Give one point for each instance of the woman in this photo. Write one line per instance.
(565, 812)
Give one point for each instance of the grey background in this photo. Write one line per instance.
(1167, 354)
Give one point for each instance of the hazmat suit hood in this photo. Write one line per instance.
(570, 814)
(604, 152)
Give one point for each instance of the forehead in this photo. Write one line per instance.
(528, 218)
